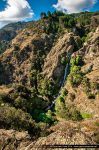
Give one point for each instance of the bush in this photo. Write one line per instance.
(74, 114)
(33, 79)
(76, 76)
(85, 82)
(75, 69)
(68, 113)
(46, 117)
(20, 97)
(22, 91)
(64, 61)
(60, 108)
(95, 86)
(61, 98)
(4, 98)
(12, 118)
(66, 21)
(90, 88)
(38, 103)
(49, 14)
(86, 115)
(78, 61)
(16, 48)
(43, 126)
(64, 92)
(21, 103)
(91, 96)
(83, 39)
(75, 79)
(46, 87)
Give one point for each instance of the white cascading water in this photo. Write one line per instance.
(64, 79)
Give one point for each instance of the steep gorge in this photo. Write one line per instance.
(49, 86)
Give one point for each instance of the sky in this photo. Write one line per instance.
(25, 10)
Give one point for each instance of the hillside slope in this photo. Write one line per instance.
(7, 33)
(49, 83)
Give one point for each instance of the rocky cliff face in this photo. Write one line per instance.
(32, 71)
(22, 55)
(63, 133)
(64, 45)
(90, 54)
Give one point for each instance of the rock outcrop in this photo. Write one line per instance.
(90, 54)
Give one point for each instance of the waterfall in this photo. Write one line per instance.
(64, 79)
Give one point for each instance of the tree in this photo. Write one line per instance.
(49, 14)
(71, 22)
(43, 15)
(46, 87)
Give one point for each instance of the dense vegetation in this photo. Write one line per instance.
(76, 75)
(58, 21)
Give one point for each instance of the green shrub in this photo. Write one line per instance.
(11, 118)
(86, 115)
(60, 108)
(75, 79)
(97, 123)
(78, 61)
(21, 103)
(33, 79)
(4, 98)
(46, 87)
(64, 92)
(67, 112)
(61, 98)
(75, 69)
(91, 96)
(83, 39)
(22, 91)
(46, 117)
(95, 85)
(84, 18)
(16, 48)
(89, 88)
(75, 76)
(74, 114)
(38, 103)
(85, 82)
(43, 127)
(64, 60)
(66, 21)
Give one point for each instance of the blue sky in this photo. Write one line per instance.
(42, 6)
(95, 7)
(38, 7)
(21, 10)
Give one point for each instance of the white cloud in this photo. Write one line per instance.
(16, 10)
(74, 6)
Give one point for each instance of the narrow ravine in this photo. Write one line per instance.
(63, 81)
(62, 85)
